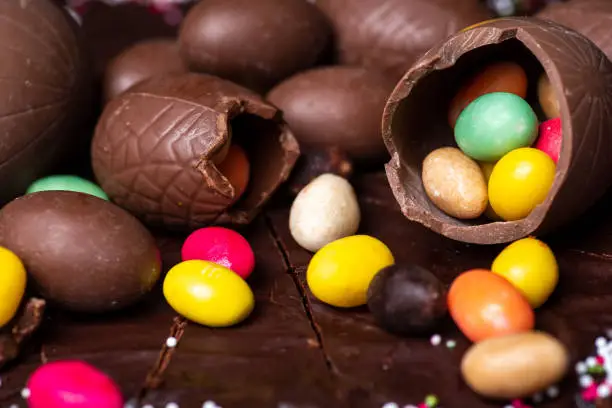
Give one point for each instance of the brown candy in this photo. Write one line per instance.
(414, 121)
(391, 34)
(255, 43)
(156, 147)
(139, 62)
(81, 252)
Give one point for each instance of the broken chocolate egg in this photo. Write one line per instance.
(156, 151)
(253, 43)
(414, 121)
(391, 34)
(81, 252)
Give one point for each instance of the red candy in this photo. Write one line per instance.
(550, 138)
(221, 246)
(72, 384)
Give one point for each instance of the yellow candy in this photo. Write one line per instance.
(12, 284)
(530, 265)
(339, 273)
(208, 293)
(520, 181)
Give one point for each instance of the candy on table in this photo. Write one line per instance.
(497, 77)
(71, 384)
(67, 182)
(595, 373)
(13, 279)
(208, 293)
(454, 183)
(495, 124)
(485, 305)
(340, 273)
(530, 265)
(550, 138)
(324, 211)
(547, 97)
(520, 181)
(236, 168)
(222, 246)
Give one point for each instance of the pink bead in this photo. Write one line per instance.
(600, 360)
(550, 138)
(72, 384)
(222, 246)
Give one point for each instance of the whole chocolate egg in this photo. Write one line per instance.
(158, 151)
(338, 106)
(42, 86)
(81, 252)
(391, 34)
(141, 61)
(255, 43)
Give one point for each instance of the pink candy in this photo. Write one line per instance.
(72, 384)
(221, 246)
(550, 138)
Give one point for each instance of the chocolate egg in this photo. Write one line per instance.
(43, 85)
(141, 61)
(337, 106)
(254, 43)
(156, 146)
(81, 252)
(591, 18)
(391, 34)
(414, 121)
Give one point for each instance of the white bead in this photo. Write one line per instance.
(552, 392)
(410, 406)
(451, 343)
(435, 340)
(147, 406)
(591, 362)
(585, 381)
(25, 393)
(390, 405)
(538, 398)
(603, 391)
(601, 342)
(210, 404)
(581, 368)
(171, 342)
(14, 406)
(172, 405)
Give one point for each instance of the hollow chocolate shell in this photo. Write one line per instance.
(414, 121)
(42, 86)
(391, 34)
(81, 252)
(141, 61)
(591, 18)
(156, 147)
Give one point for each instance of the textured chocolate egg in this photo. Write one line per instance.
(254, 43)
(43, 79)
(392, 34)
(337, 106)
(83, 253)
(139, 62)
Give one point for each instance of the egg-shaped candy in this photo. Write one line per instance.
(67, 182)
(485, 305)
(340, 273)
(83, 253)
(222, 246)
(550, 138)
(72, 384)
(12, 284)
(208, 293)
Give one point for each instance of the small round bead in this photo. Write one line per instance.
(591, 362)
(431, 400)
(451, 344)
(603, 391)
(25, 393)
(390, 405)
(581, 368)
(601, 342)
(171, 342)
(172, 405)
(210, 404)
(552, 392)
(436, 339)
(147, 406)
(585, 381)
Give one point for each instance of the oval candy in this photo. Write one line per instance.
(13, 280)
(67, 182)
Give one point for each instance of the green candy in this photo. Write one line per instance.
(67, 183)
(495, 124)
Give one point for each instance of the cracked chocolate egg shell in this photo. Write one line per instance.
(591, 18)
(43, 86)
(391, 34)
(156, 149)
(81, 252)
(414, 121)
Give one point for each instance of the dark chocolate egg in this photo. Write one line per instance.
(407, 299)
(338, 106)
(141, 61)
(81, 252)
(255, 43)
(42, 83)
(391, 34)
(156, 150)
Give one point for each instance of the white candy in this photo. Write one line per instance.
(324, 211)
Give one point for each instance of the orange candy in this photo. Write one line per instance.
(500, 77)
(485, 305)
(236, 168)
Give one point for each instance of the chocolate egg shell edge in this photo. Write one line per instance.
(582, 175)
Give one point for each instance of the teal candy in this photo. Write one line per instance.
(495, 124)
(67, 183)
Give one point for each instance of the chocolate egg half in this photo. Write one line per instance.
(83, 253)
(43, 85)
(391, 34)
(414, 121)
(157, 147)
